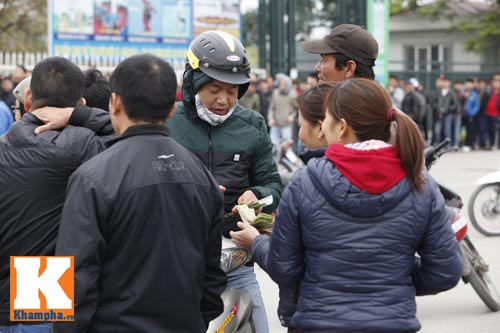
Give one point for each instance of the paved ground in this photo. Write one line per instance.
(459, 310)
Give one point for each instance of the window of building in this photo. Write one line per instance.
(428, 57)
(447, 58)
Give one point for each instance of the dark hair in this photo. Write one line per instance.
(469, 79)
(368, 118)
(362, 70)
(57, 82)
(96, 89)
(311, 102)
(147, 86)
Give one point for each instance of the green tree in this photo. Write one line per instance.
(251, 27)
(400, 6)
(23, 25)
(487, 28)
(484, 27)
(328, 13)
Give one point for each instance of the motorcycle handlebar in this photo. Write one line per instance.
(432, 152)
(442, 144)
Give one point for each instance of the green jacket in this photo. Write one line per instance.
(238, 153)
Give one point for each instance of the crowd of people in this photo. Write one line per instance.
(96, 93)
(142, 193)
(467, 112)
(7, 98)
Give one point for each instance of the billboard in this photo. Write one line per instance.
(107, 31)
(378, 25)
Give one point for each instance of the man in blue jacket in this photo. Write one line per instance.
(6, 119)
(471, 114)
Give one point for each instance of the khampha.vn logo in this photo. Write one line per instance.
(41, 289)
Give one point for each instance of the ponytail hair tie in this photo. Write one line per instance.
(391, 114)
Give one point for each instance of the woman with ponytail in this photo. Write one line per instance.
(363, 230)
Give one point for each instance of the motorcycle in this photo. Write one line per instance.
(237, 314)
(475, 270)
(484, 205)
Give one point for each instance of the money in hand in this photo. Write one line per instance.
(261, 222)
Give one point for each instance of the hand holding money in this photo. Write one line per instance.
(261, 221)
(247, 197)
(245, 237)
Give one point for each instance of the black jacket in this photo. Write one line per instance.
(413, 105)
(143, 220)
(34, 173)
(444, 105)
(238, 153)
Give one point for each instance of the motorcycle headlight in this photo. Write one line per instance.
(233, 258)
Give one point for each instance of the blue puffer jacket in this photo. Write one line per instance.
(351, 254)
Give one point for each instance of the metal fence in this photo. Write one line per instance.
(428, 77)
(9, 60)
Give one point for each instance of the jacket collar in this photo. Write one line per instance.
(148, 129)
(312, 153)
(31, 118)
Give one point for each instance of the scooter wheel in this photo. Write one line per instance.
(484, 209)
(479, 277)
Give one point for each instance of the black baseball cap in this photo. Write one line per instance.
(351, 40)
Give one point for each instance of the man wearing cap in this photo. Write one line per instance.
(347, 51)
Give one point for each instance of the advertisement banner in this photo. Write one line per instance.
(378, 25)
(217, 15)
(107, 31)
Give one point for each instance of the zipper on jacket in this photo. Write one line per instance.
(210, 149)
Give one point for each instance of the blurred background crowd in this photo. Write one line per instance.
(466, 112)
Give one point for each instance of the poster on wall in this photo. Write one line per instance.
(110, 17)
(74, 17)
(145, 17)
(217, 15)
(107, 31)
(176, 22)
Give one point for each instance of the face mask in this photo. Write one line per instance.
(208, 116)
